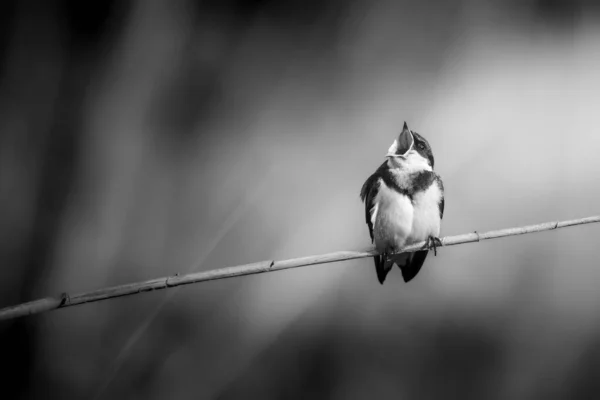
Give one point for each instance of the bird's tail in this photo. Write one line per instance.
(409, 263)
(382, 267)
(413, 264)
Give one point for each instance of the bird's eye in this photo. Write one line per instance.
(421, 146)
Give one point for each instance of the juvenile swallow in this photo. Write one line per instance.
(404, 204)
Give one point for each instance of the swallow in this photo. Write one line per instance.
(404, 204)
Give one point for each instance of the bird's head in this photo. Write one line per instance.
(410, 151)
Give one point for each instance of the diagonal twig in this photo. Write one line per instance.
(65, 300)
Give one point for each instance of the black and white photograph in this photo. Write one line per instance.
(300, 199)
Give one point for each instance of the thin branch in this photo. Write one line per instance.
(64, 300)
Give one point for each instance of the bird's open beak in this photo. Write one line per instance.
(402, 145)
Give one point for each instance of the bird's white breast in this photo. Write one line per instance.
(426, 214)
(398, 221)
(392, 218)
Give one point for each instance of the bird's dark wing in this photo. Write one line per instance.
(442, 202)
(368, 192)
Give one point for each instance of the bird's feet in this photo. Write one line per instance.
(391, 250)
(433, 242)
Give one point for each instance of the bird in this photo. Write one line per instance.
(404, 204)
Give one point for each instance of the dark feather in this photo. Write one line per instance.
(442, 201)
(413, 265)
(380, 268)
(368, 192)
(419, 182)
(422, 146)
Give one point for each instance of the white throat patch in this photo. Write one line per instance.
(411, 162)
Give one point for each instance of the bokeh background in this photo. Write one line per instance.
(139, 139)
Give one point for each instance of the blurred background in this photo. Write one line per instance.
(139, 139)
